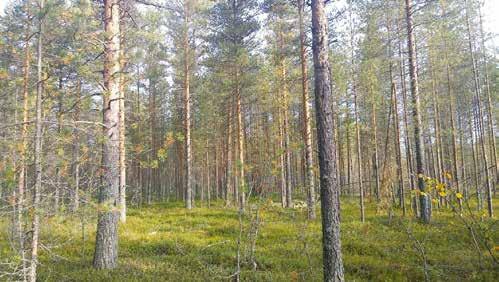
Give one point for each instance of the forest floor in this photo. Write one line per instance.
(165, 242)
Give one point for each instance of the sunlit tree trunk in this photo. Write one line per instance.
(106, 244)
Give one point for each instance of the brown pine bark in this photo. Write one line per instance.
(331, 243)
(106, 244)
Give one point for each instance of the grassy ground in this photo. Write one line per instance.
(164, 242)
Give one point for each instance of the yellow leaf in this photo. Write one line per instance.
(459, 195)
(440, 186)
(448, 175)
(442, 193)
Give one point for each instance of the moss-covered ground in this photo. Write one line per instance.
(165, 242)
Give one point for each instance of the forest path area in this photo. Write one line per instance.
(165, 242)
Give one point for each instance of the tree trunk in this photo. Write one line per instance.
(307, 132)
(240, 144)
(228, 161)
(122, 123)
(38, 151)
(359, 154)
(76, 150)
(480, 116)
(106, 244)
(187, 109)
(425, 213)
(332, 258)
(490, 109)
(22, 151)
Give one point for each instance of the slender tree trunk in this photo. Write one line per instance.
(490, 109)
(207, 169)
(228, 165)
(38, 150)
(359, 154)
(474, 154)
(76, 150)
(436, 124)
(282, 159)
(240, 145)
(480, 117)
(59, 148)
(375, 145)
(187, 110)
(357, 125)
(398, 150)
(451, 100)
(22, 152)
(332, 258)
(425, 213)
(122, 123)
(106, 244)
(307, 132)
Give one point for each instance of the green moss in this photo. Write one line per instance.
(165, 242)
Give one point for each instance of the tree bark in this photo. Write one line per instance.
(38, 150)
(332, 258)
(22, 152)
(106, 244)
(122, 128)
(425, 213)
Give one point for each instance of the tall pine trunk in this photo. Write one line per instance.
(425, 213)
(106, 244)
(331, 243)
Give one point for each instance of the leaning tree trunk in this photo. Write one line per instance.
(333, 262)
(106, 244)
(425, 213)
(307, 132)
